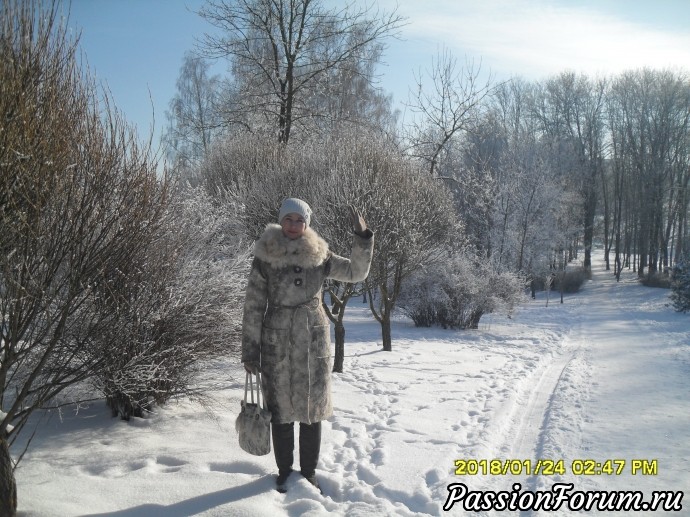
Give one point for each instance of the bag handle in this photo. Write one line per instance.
(249, 386)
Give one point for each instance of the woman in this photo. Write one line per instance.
(286, 333)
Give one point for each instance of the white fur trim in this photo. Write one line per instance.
(274, 247)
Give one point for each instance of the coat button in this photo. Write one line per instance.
(298, 282)
(298, 269)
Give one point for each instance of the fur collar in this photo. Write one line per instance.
(273, 247)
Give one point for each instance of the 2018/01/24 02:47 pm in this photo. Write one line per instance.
(547, 467)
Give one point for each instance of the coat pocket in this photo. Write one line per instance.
(321, 341)
(274, 345)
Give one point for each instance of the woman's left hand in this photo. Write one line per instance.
(358, 222)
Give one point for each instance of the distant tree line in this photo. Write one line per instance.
(537, 172)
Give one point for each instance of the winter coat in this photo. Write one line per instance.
(285, 328)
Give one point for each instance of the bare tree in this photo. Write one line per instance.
(342, 185)
(282, 52)
(517, 205)
(571, 111)
(649, 124)
(78, 197)
(348, 96)
(484, 188)
(193, 118)
(445, 107)
(412, 215)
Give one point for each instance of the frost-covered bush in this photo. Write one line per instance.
(423, 297)
(260, 175)
(680, 287)
(571, 281)
(657, 279)
(457, 292)
(178, 308)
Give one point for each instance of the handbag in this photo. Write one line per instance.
(253, 424)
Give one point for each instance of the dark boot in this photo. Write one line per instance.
(283, 446)
(281, 480)
(309, 449)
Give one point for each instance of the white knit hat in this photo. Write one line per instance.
(292, 205)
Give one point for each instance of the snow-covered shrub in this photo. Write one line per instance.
(179, 307)
(423, 297)
(657, 279)
(457, 292)
(260, 174)
(680, 287)
(571, 280)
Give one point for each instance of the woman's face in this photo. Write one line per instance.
(293, 226)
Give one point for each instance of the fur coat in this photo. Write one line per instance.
(285, 328)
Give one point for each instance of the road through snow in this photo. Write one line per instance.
(617, 390)
(636, 353)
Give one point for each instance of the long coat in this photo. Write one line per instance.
(285, 328)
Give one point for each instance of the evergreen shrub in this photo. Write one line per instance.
(680, 287)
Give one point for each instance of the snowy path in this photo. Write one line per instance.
(638, 378)
(620, 390)
(606, 375)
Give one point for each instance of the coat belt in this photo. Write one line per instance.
(310, 304)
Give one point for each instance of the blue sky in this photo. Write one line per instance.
(136, 47)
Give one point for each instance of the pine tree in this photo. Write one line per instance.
(680, 287)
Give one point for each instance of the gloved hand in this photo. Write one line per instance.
(251, 367)
(358, 222)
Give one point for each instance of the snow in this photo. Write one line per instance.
(606, 375)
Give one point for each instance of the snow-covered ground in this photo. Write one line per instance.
(605, 376)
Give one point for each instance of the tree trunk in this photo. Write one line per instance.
(386, 331)
(123, 406)
(474, 319)
(590, 209)
(8, 485)
(339, 347)
(608, 240)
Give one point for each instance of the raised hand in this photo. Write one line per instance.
(358, 222)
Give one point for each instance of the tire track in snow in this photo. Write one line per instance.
(529, 438)
(533, 420)
(539, 418)
(533, 426)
